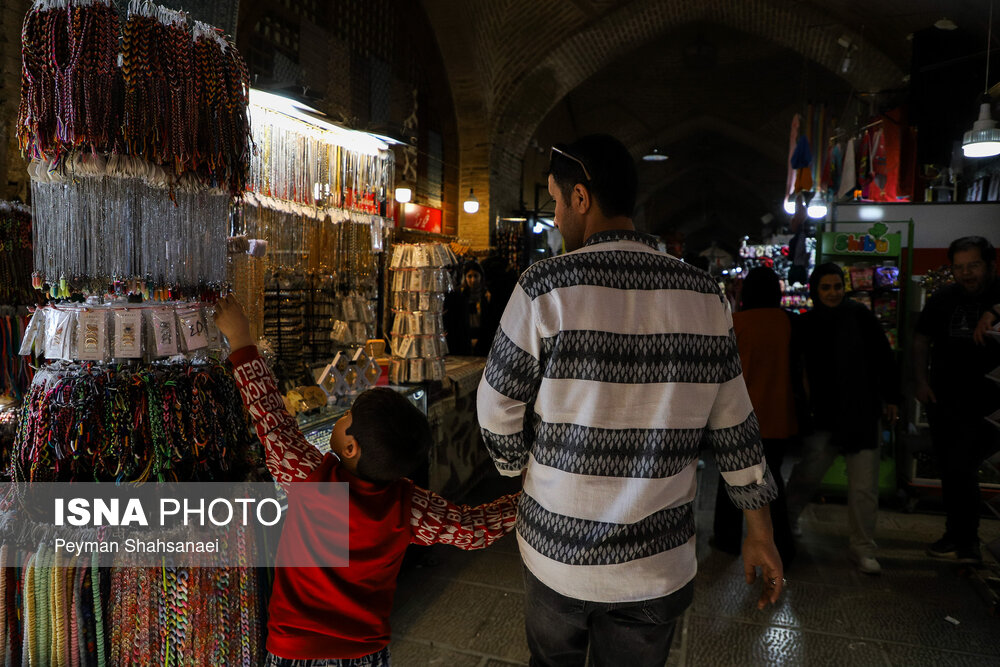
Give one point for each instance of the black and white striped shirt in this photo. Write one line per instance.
(610, 364)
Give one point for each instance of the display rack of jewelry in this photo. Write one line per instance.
(317, 197)
(15, 295)
(138, 137)
(420, 279)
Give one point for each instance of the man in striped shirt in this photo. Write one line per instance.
(610, 364)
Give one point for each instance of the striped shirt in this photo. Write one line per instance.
(610, 365)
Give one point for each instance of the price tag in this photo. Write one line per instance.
(194, 332)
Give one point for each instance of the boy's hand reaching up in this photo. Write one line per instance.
(233, 322)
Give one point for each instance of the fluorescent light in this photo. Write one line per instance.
(360, 142)
(403, 194)
(871, 212)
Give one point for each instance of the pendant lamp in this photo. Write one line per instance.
(983, 140)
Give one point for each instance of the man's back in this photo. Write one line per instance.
(610, 363)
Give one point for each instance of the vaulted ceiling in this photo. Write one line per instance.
(712, 83)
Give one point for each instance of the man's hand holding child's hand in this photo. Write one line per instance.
(233, 322)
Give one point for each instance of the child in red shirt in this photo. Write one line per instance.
(339, 617)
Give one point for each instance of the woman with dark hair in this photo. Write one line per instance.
(477, 297)
(851, 383)
(764, 338)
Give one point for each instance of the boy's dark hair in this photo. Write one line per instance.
(986, 250)
(613, 181)
(761, 289)
(393, 435)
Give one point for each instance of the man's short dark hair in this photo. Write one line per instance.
(986, 250)
(613, 181)
(393, 435)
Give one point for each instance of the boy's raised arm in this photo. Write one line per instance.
(289, 456)
(435, 520)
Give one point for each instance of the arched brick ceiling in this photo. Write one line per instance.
(718, 101)
(529, 72)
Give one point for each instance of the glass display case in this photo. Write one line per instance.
(317, 425)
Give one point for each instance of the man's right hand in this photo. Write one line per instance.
(925, 394)
(985, 324)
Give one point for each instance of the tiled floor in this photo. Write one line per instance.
(465, 608)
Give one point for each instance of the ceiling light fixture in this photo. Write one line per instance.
(945, 23)
(983, 140)
(655, 156)
(471, 204)
(789, 205)
(817, 207)
(403, 192)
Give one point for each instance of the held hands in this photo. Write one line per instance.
(985, 323)
(924, 393)
(233, 322)
(763, 554)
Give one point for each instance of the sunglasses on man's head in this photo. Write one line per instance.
(556, 149)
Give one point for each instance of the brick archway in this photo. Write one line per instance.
(510, 62)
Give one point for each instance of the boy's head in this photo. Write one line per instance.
(393, 434)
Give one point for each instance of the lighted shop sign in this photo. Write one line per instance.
(422, 218)
(875, 242)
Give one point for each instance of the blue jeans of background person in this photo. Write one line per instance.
(818, 454)
(630, 634)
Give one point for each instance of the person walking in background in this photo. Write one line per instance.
(851, 382)
(477, 299)
(764, 336)
(610, 363)
(500, 281)
(956, 393)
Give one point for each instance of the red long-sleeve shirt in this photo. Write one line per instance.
(344, 612)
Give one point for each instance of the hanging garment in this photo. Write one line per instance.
(848, 177)
(793, 135)
(865, 165)
(833, 167)
(801, 159)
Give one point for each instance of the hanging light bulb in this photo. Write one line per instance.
(817, 207)
(471, 204)
(655, 155)
(983, 140)
(403, 192)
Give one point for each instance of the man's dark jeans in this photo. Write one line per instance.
(962, 440)
(631, 634)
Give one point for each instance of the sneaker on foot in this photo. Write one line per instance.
(970, 555)
(867, 564)
(943, 548)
